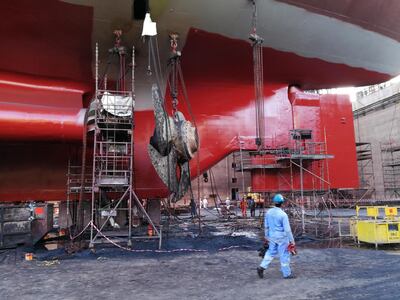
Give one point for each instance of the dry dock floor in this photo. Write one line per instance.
(111, 274)
(329, 270)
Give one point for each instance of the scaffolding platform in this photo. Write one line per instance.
(305, 157)
(108, 180)
(282, 157)
(390, 155)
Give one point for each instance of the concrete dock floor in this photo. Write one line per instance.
(231, 274)
(324, 269)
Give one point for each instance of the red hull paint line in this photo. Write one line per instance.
(42, 109)
(231, 59)
(374, 15)
(18, 81)
(24, 122)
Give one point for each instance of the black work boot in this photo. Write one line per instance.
(291, 276)
(260, 272)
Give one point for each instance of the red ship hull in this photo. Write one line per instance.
(46, 83)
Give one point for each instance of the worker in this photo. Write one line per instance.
(228, 203)
(205, 202)
(192, 207)
(252, 205)
(279, 235)
(243, 207)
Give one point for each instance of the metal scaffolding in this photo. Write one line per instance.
(391, 169)
(109, 144)
(74, 187)
(285, 158)
(365, 169)
(303, 156)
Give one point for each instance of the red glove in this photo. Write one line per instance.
(292, 248)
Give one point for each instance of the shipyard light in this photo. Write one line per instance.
(149, 27)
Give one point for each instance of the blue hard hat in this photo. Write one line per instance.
(278, 198)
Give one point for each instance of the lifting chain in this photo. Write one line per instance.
(121, 52)
(173, 74)
(258, 69)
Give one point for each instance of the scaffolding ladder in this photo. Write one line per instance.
(109, 144)
(390, 156)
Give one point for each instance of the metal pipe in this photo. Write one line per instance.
(92, 207)
(92, 240)
(303, 225)
(327, 163)
(241, 165)
(132, 151)
(311, 172)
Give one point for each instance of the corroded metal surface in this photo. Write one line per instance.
(171, 147)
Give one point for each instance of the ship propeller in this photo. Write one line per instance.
(172, 146)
